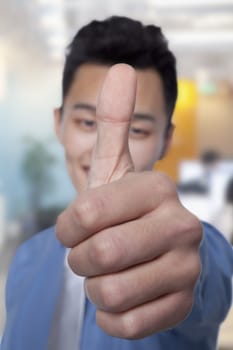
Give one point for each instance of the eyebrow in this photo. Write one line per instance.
(136, 116)
(144, 116)
(86, 106)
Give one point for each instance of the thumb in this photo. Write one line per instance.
(111, 157)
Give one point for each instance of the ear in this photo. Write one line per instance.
(57, 119)
(168, 141)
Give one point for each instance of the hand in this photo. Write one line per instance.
(129, 235)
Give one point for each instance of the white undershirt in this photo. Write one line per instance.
(66, 327)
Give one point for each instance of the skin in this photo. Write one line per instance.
(129, 235)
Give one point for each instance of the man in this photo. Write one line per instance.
(155, 277)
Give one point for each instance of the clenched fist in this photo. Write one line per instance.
(129, 235)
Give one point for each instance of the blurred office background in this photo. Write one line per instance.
(33, 37)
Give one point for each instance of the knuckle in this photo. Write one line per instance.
(192, 270)
(192, 225)
(107, 250)
(131, 326)
(196, 231)
(65, 230)
(59, 231)
(184, 304)
(163, 183)
(187, 305)
(188, 228)
(187, 222)
(103, 254)
(88, 210)
(111, 295)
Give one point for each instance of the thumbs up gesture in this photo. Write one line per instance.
(128, 233)
(111, 158)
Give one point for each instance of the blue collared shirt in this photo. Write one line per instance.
(35, 282)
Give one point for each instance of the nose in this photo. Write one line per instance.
(90, 144)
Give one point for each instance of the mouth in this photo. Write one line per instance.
(86, 169)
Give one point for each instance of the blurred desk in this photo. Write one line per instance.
(226, 333)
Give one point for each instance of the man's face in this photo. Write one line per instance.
(76, 127)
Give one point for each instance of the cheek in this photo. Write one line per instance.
(75, 149)
(72, 143)
(72, 150)
(145, 153)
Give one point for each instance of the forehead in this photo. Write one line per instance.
(88, 80)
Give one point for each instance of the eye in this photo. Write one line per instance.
(86, 124)
(139, 132)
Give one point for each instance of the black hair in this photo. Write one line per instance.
(123, 40)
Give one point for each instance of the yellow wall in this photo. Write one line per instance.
(185, 136)
(215, 120)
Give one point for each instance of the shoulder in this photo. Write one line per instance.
(217, 262)
(215, 241)
(38, 245)
(36, 271)
(214, 236)
(33, 258)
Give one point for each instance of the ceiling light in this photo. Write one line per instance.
(200, 38)
(52, 20)
(57, 54)
(58, 40)
(50, 2)
(189, 3)
(211, 21)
